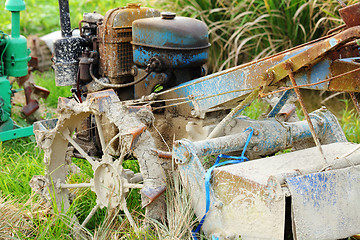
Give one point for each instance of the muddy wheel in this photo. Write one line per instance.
(120, 132)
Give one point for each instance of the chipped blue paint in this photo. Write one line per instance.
(313, 188)
(283, 99)
(232, 84)
(325, 205)
(273, 136)
(318, 72)
(333, 42)
(174, 58)
(160, 38)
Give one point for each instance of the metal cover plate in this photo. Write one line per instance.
(326, 205)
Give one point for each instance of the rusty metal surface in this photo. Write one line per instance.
(114, 36)
(152, 193)
(163, 154)
(349, 82)
(310, 55)
(350, 15)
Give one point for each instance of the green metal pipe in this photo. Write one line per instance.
(15, 24)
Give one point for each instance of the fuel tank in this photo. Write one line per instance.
(176, 41)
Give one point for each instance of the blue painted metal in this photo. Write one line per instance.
(171, 40)
(227, 88)
(318, 72)
(283, 99)
(175, 59)
(230, 85)
(325, 204)
(273, 136)
(237, 159)
(170, 33)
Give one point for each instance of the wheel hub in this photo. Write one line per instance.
(109, 185)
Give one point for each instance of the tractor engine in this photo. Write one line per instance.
(134, 50)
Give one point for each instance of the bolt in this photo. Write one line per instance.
(255, 149)
(256, 132)
(187, 155)
(218, 204)
(231, 236)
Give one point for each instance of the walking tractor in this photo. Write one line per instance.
(141, 88)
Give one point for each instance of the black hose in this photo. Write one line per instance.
(117, 85)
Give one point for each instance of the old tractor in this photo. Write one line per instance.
(140, 82)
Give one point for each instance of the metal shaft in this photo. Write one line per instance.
(306, 114)
(15, 24)
(65, 18)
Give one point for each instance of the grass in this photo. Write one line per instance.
(241, 31)
(42, 17)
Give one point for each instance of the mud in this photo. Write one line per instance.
(109, 107)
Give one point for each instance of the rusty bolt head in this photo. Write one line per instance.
(187, 155)
(255, 149)
(134, 71)
(256, 132)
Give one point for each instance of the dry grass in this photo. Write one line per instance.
(241, 31)
(180, 219)
(13, 220)
(179, 214)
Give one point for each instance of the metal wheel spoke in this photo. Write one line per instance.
(91, 214)
(128, 215)
(76, 185)
(101, 133)
(111, 141)
(66, 135)
(120, 160)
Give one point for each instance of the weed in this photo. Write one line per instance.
(350, 123)
(241, 31)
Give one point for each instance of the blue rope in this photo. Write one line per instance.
(217, 163)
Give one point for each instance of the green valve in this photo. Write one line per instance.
(14, 63)
(15, 5)
(17, 55)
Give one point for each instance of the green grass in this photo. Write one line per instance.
(20, 160)
(239, 32)
(350, 123)
(42, 16)
(46, 80)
